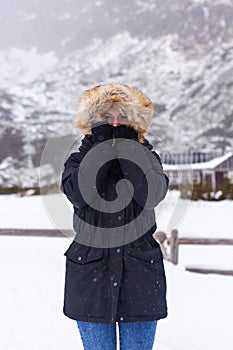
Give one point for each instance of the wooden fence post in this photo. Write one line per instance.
(161, 237)
(174, 247)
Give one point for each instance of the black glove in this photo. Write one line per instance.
(125, 132)
(101, 132)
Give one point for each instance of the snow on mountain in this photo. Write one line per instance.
(215, 2)
(24, 66)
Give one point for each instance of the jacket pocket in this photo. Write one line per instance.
(152, 256)
(82, 254)
(85, 282)
(145, 276)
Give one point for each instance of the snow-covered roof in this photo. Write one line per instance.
(210, 164)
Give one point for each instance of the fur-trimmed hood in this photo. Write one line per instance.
(130, 101)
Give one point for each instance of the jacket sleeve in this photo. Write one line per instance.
(143, 168)
(78, 171)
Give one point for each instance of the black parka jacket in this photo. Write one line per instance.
(126, 282)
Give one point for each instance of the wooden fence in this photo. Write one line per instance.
(173, 241)
(169, 244)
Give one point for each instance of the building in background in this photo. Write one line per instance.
(206, 171)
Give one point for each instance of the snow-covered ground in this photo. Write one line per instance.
(32, 273)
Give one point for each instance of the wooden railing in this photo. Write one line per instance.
(169, 244)
(36, 232)
(170, 248)
(206, 241)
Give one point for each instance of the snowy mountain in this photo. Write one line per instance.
(190, 82)
(66, 25)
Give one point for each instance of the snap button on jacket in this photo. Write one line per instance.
(112, 284)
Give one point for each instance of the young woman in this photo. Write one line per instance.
(114, 267)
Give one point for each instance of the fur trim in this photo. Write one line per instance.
(130, 101)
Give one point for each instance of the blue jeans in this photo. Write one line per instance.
(102, 336)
